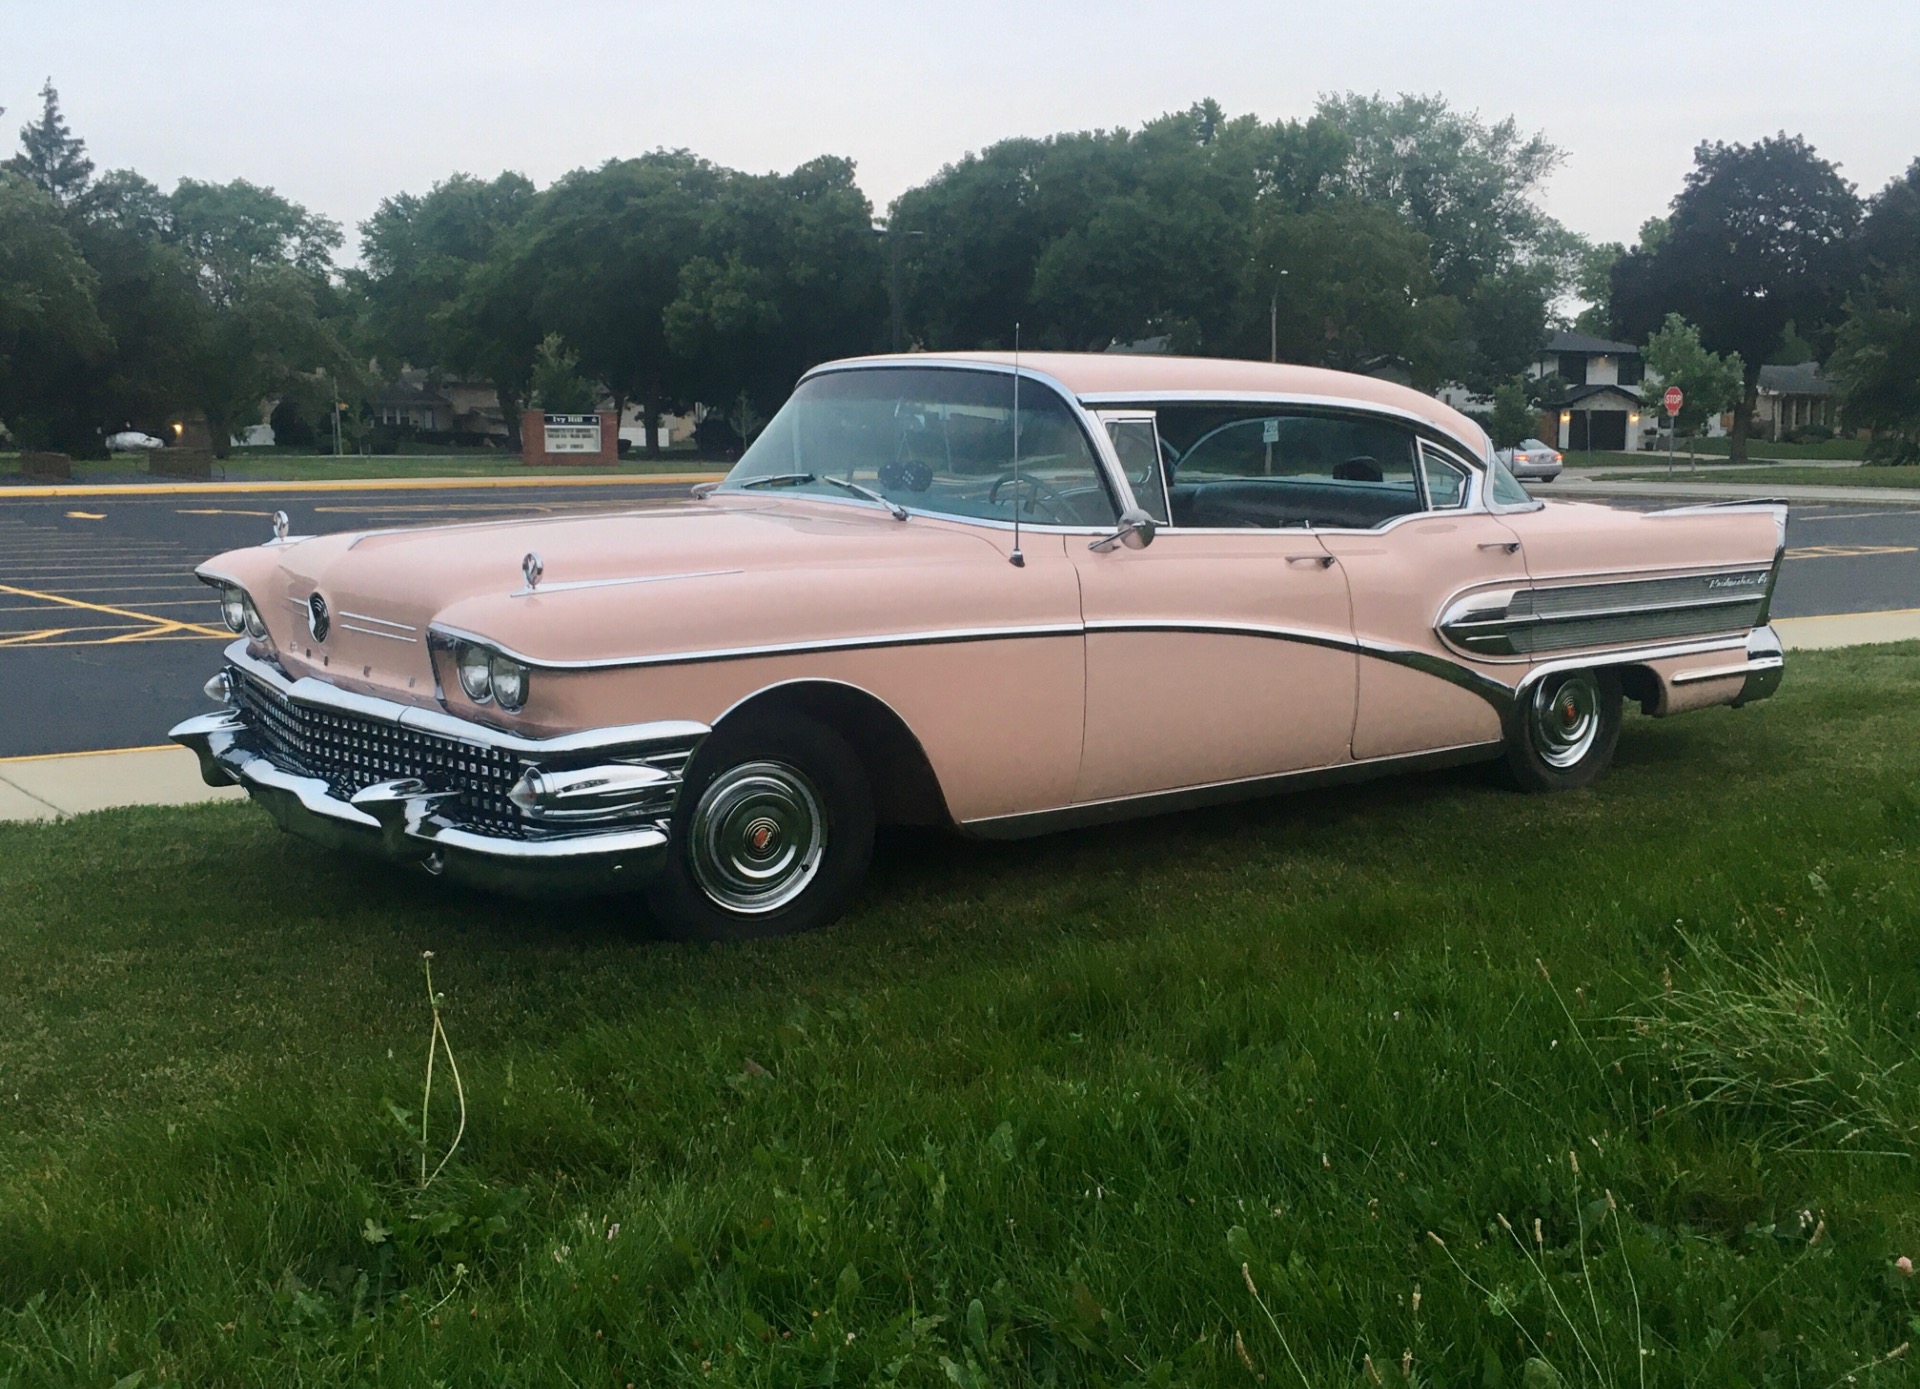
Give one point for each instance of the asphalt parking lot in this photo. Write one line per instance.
(106, 637)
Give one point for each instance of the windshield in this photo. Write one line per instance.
(932, 439)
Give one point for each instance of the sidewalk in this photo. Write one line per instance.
(73, 783)
(50, 788)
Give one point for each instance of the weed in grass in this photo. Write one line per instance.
(1771, 1048)
(437, 1043)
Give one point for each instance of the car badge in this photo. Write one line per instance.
(318, 620)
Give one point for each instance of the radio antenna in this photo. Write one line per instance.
(1016, 559)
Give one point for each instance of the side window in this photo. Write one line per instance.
(1248, 466)
(1137, 445)
(1504, 489)
(1446, 480)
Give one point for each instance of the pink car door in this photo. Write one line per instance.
(1418, 692)
(1216, 653)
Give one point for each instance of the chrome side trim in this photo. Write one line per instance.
(576, 584)
(346, 626)
(1495, 692)
(942, 637)
(377, 621)
(319, 694)
(1690, 677)
(1344, 404)
(1030, 823)
(1520, 623)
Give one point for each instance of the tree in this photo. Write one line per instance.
(50, 329)
(1593, 285)
(598, 260)
(1757, 240)
(1710, 383)
(1876, 356)
(51, 157)
(555, 384)
(417, 252)
(1514, 418)
(1469, 187)
(260, 324)
(788, 274)
(1359, 289)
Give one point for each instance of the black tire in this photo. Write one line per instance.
(1565, 730)
(772, 833)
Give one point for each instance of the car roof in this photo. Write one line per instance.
(1108, 376)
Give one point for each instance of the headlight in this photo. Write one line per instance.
(233, 608)
(509, 683)
(476, 674)
(256, 628)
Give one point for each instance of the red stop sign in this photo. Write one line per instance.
(1673, 398)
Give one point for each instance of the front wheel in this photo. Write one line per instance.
(772, 833)
(1565, 730)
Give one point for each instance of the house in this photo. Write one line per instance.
(1791, 398)
(414, 400)
(1602, 406)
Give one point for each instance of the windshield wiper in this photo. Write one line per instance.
(768, 479)
(899, 512)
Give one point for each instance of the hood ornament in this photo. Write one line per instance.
(531, 568)
(280, 527)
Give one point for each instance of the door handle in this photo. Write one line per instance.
(1324, 561)
(1512, 547)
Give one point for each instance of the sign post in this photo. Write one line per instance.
(1673, 400)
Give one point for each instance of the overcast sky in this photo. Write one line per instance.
(338, 104)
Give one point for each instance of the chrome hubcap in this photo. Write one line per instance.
(757, 837)
(1566, 718)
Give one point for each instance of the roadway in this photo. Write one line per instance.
(106, 637)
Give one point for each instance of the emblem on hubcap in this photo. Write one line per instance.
(763, 837)
(318, 620)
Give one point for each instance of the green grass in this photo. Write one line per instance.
(1788, 475)
(1112, 1108)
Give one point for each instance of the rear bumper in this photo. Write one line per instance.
(559, 849)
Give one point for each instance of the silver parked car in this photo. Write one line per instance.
(1532, 461)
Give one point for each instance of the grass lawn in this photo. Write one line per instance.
(1788, 475)
(1422, 1079)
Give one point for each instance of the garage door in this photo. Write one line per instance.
(1607, 429)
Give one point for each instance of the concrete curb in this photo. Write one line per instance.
(74, 783)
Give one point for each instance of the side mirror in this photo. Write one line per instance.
(1136, 532)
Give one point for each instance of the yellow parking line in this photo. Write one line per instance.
(24, 638)
(113, 612)
(94, 752)
(165, 636)
(378, 484)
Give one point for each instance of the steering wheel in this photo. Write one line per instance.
(1058, 510)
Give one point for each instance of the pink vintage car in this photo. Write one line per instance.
(960, 590)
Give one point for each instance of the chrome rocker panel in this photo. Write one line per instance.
(407, 821)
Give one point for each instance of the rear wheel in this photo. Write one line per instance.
(1566, 730)
(772, 834)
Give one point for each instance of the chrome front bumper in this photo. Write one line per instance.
(592, 811)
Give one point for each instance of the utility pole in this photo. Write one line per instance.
(1273, 320)
(893, 236)
(335, 382)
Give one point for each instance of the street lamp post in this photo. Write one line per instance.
(1273, 320)
(893, 235)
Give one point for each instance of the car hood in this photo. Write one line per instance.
(655, 579)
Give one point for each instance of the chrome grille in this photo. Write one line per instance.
(350, 753)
